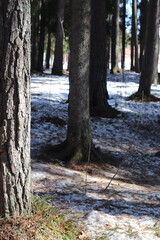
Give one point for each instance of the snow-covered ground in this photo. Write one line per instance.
(129, 208)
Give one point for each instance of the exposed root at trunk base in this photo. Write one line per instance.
(141, 97)
(71, 155)
(107, 112)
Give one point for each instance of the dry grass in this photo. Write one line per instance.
(45, 223)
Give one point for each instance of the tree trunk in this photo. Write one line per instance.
(135, 65)
(98, 56)
(115, 39)
(98, 61)
(58, 55)
(15, 192)
(34, 34)
(48, 54)
(143, 28)
(123, 34)
(78, 134)
(41, 38)
(150, 62)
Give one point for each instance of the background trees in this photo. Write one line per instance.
(15, 192)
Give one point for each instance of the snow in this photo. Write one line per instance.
(129, 208)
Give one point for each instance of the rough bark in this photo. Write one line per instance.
(78, 134)
(41, 38)
(15, 193)
(58, 55)
(150, 62)
(115, 39)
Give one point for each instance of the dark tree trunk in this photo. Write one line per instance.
(98, 61)
(35, 35)
(150, 62)
(58, 54)
(15, 192)
(143, 28)
(115, 39)
(123, 34)
(48, 54)
(98, 56)
(78, 134)
(41, 38)
(135, 61)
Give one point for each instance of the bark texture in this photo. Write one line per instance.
(58, 54)
(78, 134)
(15, 192)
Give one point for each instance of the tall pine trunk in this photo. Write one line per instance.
(34, 34)
(143, 28)
(98, 58)
(150, 61)
(115, 39)
(123, 34)
(15, 193)
(134, 43)
(41, 38)
(58, 54)
(48, 53)
(78, 134)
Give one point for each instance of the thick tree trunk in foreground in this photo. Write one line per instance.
(58, 55)
(78, 134)
(150, 62)
(15, 193)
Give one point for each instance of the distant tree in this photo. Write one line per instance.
(35, 12)
(50, 18)
(115, 38)
(41, 37)
(123, 34)
(134, 39)
(143, 28)
(58, 54)
(48, 52)
(98, 61)
(15, 192)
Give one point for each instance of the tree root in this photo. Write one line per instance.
(70, 155)
(140, 97)
(107, 112)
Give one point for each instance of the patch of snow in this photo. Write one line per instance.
(129, 208)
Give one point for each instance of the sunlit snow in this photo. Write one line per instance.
(130, 208)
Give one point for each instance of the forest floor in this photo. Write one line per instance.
(129, 208)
